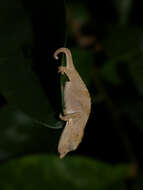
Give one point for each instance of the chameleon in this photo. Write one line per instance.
(77, 105)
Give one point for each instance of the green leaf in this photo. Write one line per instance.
(20, 134)
(21, 88)
(18, 83)
(30, 33)
(40, 172)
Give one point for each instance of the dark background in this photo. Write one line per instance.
(106, 41)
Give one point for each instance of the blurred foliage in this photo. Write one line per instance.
(25, 107)
(106, 41)
(38, 172)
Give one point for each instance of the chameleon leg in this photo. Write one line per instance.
(63, 69)
(70, 116)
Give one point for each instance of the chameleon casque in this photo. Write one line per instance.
(77, 106)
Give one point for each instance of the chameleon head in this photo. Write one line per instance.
(63, 150)
(69, 144)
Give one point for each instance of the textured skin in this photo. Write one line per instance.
(77, 106)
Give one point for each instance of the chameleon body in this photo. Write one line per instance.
(77, 106)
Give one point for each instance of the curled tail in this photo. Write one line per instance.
(66, 51)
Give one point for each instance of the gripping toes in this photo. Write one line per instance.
(61, 69)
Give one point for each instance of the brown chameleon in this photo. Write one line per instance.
(77, 106)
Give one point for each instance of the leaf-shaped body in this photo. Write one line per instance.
(77, 105)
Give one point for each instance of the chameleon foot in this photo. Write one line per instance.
(61, 69)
